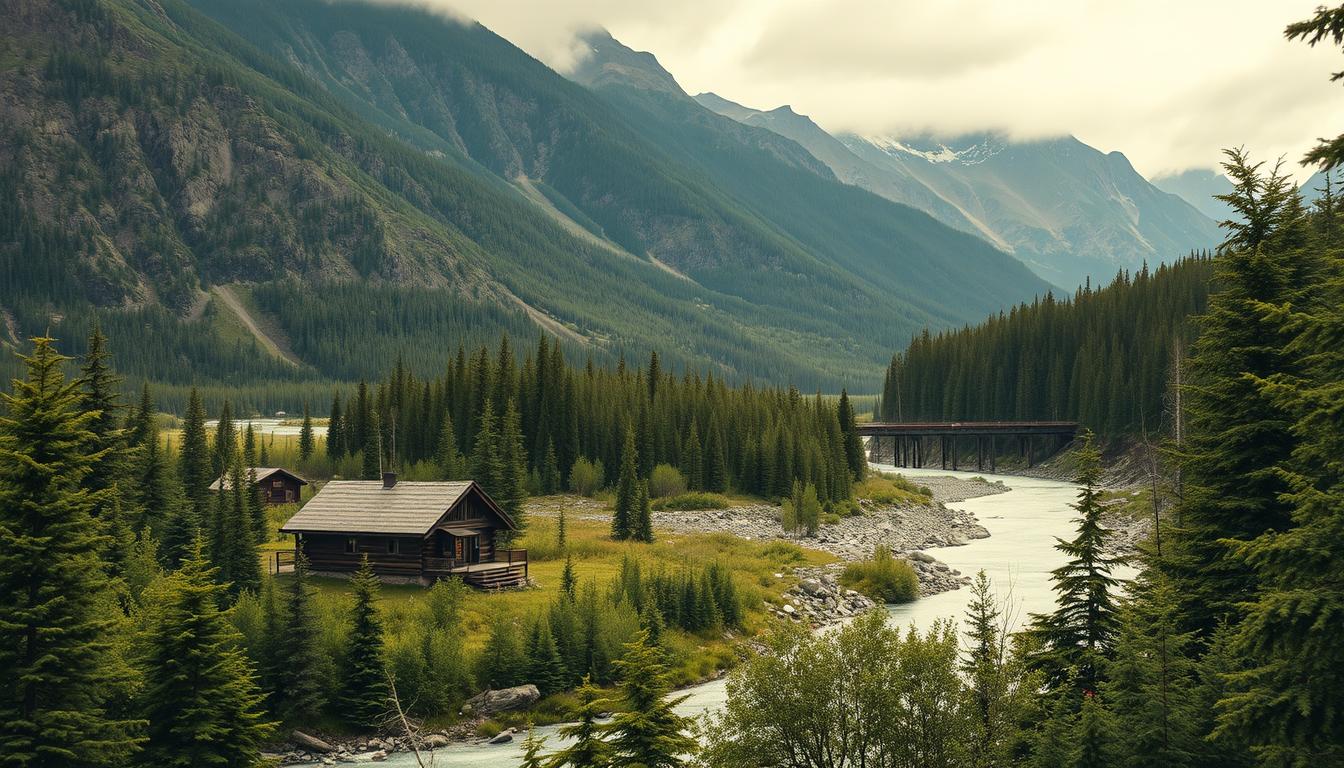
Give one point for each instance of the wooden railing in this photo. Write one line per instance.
(512, 556)
(283, 561)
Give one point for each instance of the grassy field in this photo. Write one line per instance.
(761, 571)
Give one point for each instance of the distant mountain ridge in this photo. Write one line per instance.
(1066, 209)
(376, 181)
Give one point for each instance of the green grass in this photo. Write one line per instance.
(597, 557)
(890, 488)
(693, 500)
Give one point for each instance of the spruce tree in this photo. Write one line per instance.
(587, 748)
(532, 746)
(249, 446)
(200, 697)
(256, 508)
(60, 653)
(561, 533)
(693, 459)
(641, 526)
(1078, 636)
(226, 442)
(550, 470)
(372, 449)
(235, 552)
(446, 455)
(1286, 703)
(510, 492)
(648, 733)
(194, 458)
(1094, 736)
(627, 491)
(716, 464)
(1237, 436)
(100, 395)
(307, 443)
(364, 694)
(568, 581)
(336, 434)
(486, 461)
(853, 444)
(545, 668)
(299, 695)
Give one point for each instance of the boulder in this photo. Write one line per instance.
(378, 756)
(437, 740)
(504, 737)
(812, 587)
(310, 743)
(921, 557)
(502, 700)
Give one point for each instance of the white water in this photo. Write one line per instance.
(1018, 557)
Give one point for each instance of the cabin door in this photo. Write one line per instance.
(459, 548)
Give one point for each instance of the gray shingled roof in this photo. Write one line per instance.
(365, 506)
(262, 474)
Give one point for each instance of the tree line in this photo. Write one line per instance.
(1102, 357)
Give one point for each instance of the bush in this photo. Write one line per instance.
(830, 519)
(693, 501)
(585, 477)
(783, 551)
(883, 578)
(666, 480)
(889, 488)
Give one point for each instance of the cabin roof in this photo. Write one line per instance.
(263, 473)
(366, 506)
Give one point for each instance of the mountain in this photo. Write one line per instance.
(1198, 187)
(313, 190)
(1066, 209)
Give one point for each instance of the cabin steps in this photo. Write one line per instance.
(496, 579)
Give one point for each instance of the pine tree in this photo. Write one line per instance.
(511, 492)
(372, 449)
(1094, 736)
(486, 462)
(200, 698)
(693, 459)
(336, 434)
(853, 444)
(226, 442)
(307, 443)
(1286, 703)
(648, 733)
(568, 581)
(256, 508)
(446, 455)
(561, 532)
(550, 470)
(716, 464)
(641, 524)
(101, 395)
(545, 669)
(60, 652)
(364, 696)
(1237, 437)
(249, 446)
(587, 749)
(532, 746)
(627, 491)
(235, 553)
(299, 695)
(194, 458)
(504, 657)
(1078, 636)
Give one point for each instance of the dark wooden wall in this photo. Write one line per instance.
(326, 552)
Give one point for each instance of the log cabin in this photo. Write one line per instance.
(278, 486)
(412, 532)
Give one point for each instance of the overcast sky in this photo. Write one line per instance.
(1167, 82)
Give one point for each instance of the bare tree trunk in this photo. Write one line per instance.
(402, 722)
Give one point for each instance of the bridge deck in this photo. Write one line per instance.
(888, 429)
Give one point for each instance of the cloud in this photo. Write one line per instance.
(1168, 83)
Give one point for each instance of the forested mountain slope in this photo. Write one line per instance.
(1103, 357)
(391, 157)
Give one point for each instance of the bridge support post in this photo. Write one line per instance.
(992, 441)
(954, 452)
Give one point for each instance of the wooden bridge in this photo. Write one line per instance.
(913, 444)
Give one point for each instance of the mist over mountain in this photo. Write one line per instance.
(304, 189)
(1066, 209)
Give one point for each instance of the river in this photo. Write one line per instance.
(1018, 557)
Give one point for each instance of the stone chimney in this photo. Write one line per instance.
(389, 480)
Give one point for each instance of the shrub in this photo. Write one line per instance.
(830, 519)
(666, 480)
(883, 578)
(693, 501)
(585, 477)
(889, 488)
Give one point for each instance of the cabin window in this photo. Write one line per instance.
(277, 483)
(392, 546)
(350, 545)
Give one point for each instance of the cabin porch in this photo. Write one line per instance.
(507, 568)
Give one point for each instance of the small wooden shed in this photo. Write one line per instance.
(278, 485)
(410, 531)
